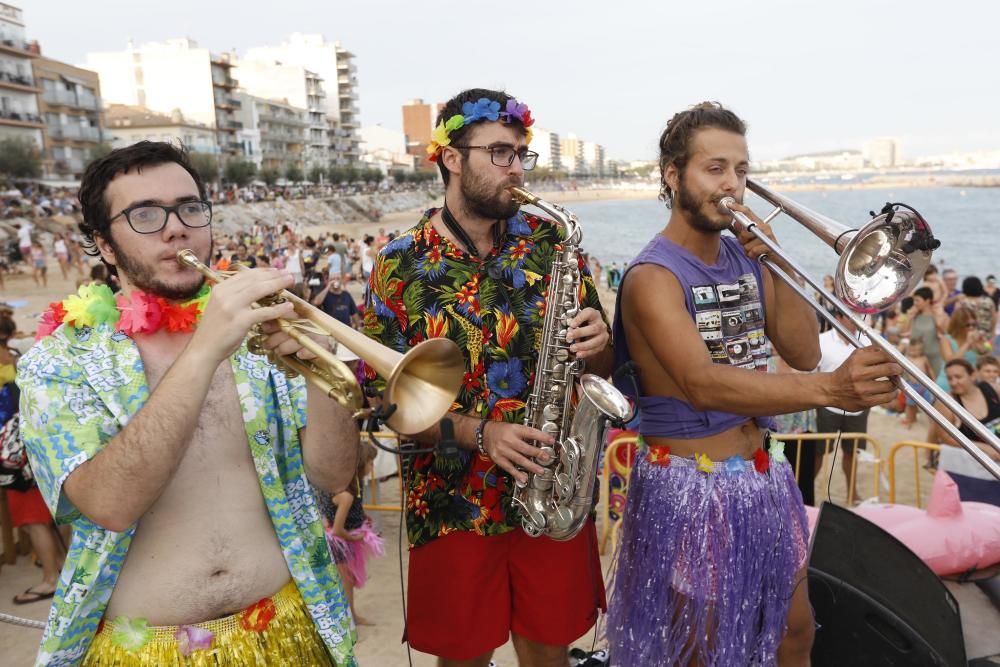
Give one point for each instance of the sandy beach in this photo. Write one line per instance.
(380, 600)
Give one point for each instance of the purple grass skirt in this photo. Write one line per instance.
(706, 565)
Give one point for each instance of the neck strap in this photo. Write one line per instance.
(456, 230)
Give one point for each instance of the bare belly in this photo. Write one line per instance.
(198, 560)
(742, 441)
(207, 547)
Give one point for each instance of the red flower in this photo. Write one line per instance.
(526, 119)
(761, 461)
(472, 380)
(417, 339)
(58, 312)
(177, 318)
(659, 455)
(258, 616)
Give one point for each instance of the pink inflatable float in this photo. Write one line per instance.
(951, 536)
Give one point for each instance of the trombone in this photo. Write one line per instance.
(879, 264)
(420, 385)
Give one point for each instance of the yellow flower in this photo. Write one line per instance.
(527, 136)
(440, 135)
(705, 464)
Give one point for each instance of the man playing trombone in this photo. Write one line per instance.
(179, 456)
(711, 566)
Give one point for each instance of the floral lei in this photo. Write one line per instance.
(141, 313)
(484, 109)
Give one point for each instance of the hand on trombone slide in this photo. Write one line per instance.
(753, 246)
(864, 380)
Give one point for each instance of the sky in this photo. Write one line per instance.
(806, 76)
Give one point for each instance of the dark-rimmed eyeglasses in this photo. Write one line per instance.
(151, 218)
(502, 155)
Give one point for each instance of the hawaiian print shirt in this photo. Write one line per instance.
(79, 387)
(422, 286)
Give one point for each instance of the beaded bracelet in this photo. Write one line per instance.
(479, 437)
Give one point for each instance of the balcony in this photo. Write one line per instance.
(75, 132)
(19, 119)
(64, 166)
(228, 83)
(70, 99)
(228, 104)
(17, 82)
(17, 48)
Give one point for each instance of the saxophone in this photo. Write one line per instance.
(558, 502)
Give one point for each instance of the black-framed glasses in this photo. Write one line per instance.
(151, 218)
(502, 155)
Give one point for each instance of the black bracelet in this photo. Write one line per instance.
(479, 437)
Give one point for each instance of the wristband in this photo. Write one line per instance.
(479, 437)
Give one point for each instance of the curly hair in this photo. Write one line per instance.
(97, 177)
(454, 106)
(675, 142)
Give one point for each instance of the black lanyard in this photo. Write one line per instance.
(456, 230)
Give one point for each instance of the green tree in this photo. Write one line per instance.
(270, 176)
(207, 166)
(350, 174)
(240, 172)
(335, 174)
(372, 176)
(317, 174)
(294, 173)
(398, 176)
(19, 158)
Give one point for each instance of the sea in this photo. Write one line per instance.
(965, 220)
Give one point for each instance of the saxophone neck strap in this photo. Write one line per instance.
(457, 231)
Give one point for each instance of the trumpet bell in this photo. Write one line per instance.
(883, 261)
(426, 381)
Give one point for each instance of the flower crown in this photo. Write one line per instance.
(484, 109)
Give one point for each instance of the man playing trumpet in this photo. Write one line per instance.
(180, 457)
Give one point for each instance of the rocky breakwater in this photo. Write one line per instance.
(312, 211)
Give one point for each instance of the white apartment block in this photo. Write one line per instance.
(335, 66)
(19, 117)
(175, 74)
(298, 87)
(127, 125)
(548, 147)
(593, 158)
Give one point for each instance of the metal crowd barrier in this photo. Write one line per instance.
(915, 445)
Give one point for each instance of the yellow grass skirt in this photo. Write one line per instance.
(275, 631)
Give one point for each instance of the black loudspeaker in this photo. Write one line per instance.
(876, 602)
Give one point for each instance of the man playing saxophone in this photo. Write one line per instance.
(710, 571)
(476, 271)
(180, 457)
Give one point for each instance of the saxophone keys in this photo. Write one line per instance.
(551, 428)
(550, 412)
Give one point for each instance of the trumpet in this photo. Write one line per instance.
(420, 385)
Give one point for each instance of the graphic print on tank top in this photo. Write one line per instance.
(730, 319)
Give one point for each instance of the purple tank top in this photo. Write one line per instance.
(726, 302)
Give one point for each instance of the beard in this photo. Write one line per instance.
(693, 207)
(486, 200)
(142, 276)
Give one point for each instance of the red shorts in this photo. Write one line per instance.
(27, 507)
(468, 592)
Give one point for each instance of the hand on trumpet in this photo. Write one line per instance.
(863, 380)
(231, 312)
